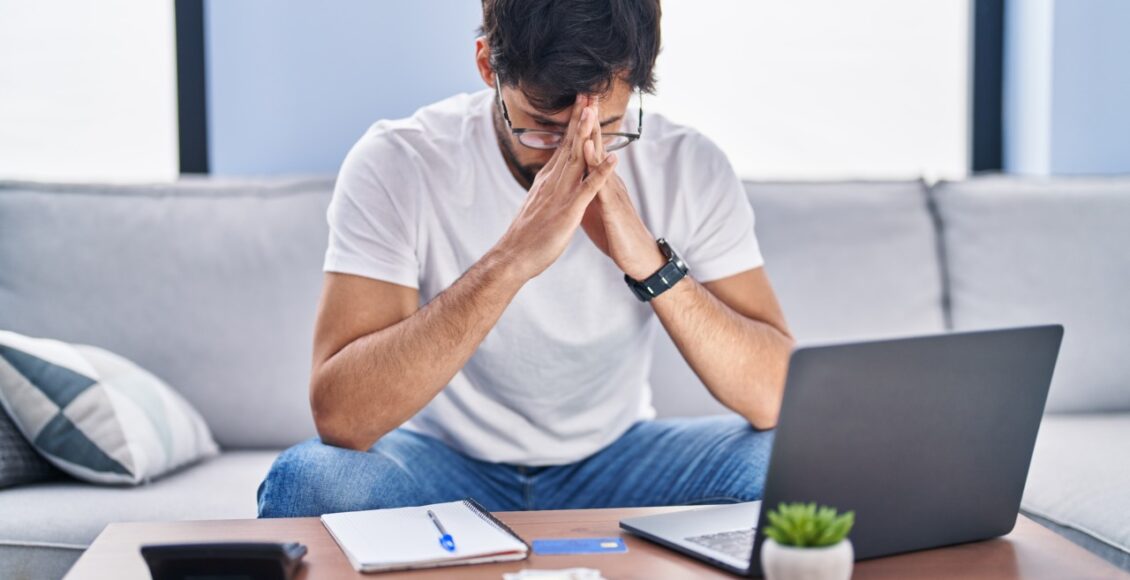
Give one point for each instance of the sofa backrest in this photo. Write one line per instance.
(848, 260)
(211, 286)
(1030, 251)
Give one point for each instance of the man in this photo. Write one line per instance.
(494, 283)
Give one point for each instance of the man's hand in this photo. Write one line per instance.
(558, 198)
(612, 222)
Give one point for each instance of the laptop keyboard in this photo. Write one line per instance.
(737, 544)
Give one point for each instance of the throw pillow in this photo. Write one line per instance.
(96, 415)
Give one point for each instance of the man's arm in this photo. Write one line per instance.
(733, 334)
(731, 331)
(377, 360)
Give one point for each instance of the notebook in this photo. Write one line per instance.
(406, 538)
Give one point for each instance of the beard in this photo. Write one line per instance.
(527, 172)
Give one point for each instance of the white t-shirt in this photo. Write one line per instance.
(564, 372)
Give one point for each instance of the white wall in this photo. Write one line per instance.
(88, 90)
(822, 88)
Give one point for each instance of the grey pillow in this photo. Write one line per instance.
(96, 415)
(19, 463)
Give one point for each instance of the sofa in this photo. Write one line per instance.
(212, 285)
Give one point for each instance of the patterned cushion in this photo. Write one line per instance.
(19, 463)
(96, 415)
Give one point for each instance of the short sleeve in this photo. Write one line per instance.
(722, 241)
(372, 231)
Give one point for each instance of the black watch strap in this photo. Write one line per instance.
(663, 280)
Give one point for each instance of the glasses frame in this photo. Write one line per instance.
(632, 137)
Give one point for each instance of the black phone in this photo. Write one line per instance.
(223, 561)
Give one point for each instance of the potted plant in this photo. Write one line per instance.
(804, 542)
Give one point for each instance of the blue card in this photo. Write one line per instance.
(579, 546)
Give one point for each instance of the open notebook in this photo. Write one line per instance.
(405, 538)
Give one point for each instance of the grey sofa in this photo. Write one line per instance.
(213, 285)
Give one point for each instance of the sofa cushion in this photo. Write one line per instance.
(96, 415)
(848, 260)
(210, 285)
(52, 521)
(1080, 481)
(1030, 251)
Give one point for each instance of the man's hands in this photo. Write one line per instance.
(612, 222)
(558, 197)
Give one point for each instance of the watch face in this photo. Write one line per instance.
(671, 255)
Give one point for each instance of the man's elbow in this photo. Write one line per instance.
(764, 419)
(332, 435)
(766, 410)
(333, 425)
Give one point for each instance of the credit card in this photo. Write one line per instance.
(559, 546)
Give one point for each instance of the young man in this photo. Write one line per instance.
(494, 284)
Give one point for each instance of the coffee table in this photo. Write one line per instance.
(1030, 551)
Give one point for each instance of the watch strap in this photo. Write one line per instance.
(659, 282)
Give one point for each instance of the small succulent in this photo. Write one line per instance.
(803, 525)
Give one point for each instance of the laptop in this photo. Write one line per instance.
(927, 439)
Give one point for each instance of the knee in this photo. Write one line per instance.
(745, 462)
(313, 478)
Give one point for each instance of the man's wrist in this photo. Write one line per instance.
(647, 267)
(501, 264)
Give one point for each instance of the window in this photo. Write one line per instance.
(815, 89)
(88, 90)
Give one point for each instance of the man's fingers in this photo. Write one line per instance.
(562, 148)
(597, 134)
(584, 133)
(596, 178)
(590, 153)
(574, 122)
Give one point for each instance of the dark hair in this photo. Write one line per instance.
(554, 49)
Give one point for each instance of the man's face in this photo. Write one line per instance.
(523, 115)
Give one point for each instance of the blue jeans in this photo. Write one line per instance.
(662, 462)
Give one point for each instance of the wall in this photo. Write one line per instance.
(1091, 87)
(1068, 87)
(292, 84)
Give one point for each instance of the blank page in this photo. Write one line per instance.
(402, 537)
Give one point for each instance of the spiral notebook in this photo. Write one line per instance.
(406, 538)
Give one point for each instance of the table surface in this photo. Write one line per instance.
(1030, 551)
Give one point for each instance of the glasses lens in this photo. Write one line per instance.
(540, 139)
(614, 142)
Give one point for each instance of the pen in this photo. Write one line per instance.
(445, 539)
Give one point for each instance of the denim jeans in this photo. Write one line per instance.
(662, 462)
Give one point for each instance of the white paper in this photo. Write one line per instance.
(406, 537)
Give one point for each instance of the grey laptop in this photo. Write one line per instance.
(927, 439)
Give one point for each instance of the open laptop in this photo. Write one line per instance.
(928, 439)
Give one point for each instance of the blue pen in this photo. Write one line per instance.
(445, 539)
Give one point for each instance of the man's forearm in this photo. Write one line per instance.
(742, 361)
(380, 380)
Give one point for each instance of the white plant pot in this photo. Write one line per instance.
(788, 563)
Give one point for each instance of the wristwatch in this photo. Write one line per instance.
(667, 276)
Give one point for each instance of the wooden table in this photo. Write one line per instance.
(1030, 551)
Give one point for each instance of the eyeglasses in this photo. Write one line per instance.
(542, 139)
